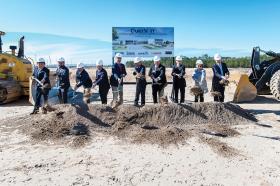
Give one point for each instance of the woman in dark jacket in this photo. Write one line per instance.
(102, 81)
(83, 79)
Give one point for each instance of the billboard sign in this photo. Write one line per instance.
(143, 41)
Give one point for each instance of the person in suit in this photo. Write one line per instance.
(220, 72)
(83, 79)
(140, 74)
(157, 73)
(63, 82)
(41, 75)
(116, 80)
(102, 81)
(179, 82)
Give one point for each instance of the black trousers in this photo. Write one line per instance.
(157, 90)
(199, 97)
(39, 94)
(221, 98)
(140, 90)
(63, 95)
(103, 92)
(182, 93)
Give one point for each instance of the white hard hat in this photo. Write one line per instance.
(61, 59)
(80, 65)
(41, 60)
(118, 55)
(199, 62)
(217, 57)
(179, 58)
(156, 58)
(137, 59)
(99, 62)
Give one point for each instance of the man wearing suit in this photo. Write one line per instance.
(63, 82)
(157, 73)
(220, 72)
(41, 74)
(116, 80)
(179, 82)
(140, 73)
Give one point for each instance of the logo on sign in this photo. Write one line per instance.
(156, 53)
(143, 53)
(168, 52)
(119, 52)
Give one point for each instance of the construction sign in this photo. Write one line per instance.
(143, 41)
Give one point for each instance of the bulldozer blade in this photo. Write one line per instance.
(245, 90)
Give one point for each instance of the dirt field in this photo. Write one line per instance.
(190, 144)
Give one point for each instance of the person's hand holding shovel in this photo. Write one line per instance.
(119, 80)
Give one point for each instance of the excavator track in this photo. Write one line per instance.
(9, 91)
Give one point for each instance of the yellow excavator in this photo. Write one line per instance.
(15, 76)
(15, 71)
(264, 77)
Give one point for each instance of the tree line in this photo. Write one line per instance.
(189, 62)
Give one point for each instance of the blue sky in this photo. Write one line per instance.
(232, 26)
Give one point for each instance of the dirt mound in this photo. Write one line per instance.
(219, 147)
(163, 125)
(184, 115)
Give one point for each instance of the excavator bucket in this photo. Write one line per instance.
(245, 90)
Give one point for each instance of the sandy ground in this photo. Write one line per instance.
(111, 161)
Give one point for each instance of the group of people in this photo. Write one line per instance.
(157, 73)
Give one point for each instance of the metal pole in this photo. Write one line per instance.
(1, 44)
(172, 92)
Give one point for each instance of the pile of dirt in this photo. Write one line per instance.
(156, 124)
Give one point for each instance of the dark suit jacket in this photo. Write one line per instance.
(118, 71)
(178, 82)
(82, 78)
(63, 76)
(217, 76)
(102, 79)
(159, 72)
(42, 74)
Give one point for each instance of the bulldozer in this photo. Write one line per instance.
(15, 76)
(263, 78)
(15, 71)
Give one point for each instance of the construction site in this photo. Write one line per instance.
(232, 141)
(152, 144)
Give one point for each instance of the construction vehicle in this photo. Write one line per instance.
(15, 76)
(15, 71)
(264, 77)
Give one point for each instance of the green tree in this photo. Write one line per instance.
(115, 34)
